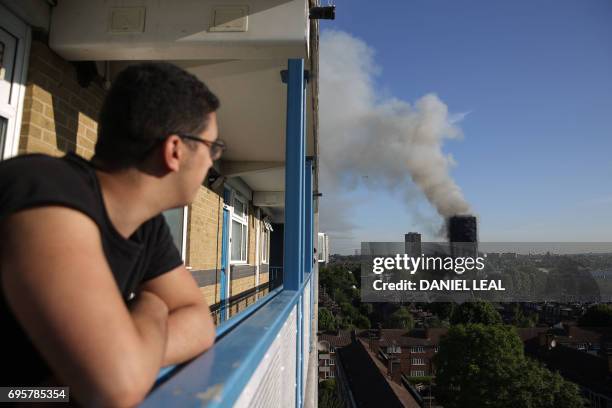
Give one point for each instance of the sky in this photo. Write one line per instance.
(508, 105)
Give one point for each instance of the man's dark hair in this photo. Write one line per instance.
(146, 103)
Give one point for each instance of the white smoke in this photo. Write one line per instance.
(380, 142)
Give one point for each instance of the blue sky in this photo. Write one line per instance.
(535, 79)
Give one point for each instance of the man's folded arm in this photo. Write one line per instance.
(190, 326)
(57, 281)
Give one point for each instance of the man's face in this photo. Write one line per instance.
(200, 161)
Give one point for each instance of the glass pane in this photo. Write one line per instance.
(3, 126)
(174, 218)
(236, 240)
(238, 208)
(244, 244)
(264, 250)
(7, 63)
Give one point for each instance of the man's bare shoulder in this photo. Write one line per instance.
(47, 229)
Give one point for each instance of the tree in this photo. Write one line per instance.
(520, 319)
(444, 310)
(327, 322)
(485, 366)
(328, 397)
(366, 309)
(400, 319)
(361, 322)
(475, 312)
(544, 389)
(597, 316)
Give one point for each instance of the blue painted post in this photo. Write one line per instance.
(308, 250)
(293, 257)
(225, 256)
(294, 174)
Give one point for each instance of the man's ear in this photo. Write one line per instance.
(172, 152)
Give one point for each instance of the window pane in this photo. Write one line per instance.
(264, 247)
(236, 240)
(3, 125)
(174, 218)
(238, 208)
(244, 244)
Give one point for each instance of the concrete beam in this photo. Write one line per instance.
(238, 168)
(269, 198)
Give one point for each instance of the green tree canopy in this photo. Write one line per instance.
(327, 322)
(475, 312)
(328, 397)
(400, 319)
(485, 366)
(444, 310)
(597, 316)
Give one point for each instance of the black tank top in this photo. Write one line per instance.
(38, 180)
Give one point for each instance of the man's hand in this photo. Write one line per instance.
(190, 326)
(57, 281)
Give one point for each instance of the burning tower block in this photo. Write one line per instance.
(412, 242)
(463, 235)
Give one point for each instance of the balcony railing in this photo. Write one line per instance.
(238, 303)
(256, 361)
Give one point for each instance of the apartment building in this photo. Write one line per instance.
(408, 353)
(250, 235)
(329, 343)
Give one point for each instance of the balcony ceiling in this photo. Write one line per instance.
(253, 99)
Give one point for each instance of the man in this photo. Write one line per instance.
(94, 293)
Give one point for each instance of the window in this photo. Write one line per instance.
(239, 237)
(265, 242)
(332, 362)
(321, 247)
(239, 207)
(394, 350)
(417, 361)
(417, 349)
(3, 126)
(417, 373)
(176, 220)
(14, 42)
(332, 374)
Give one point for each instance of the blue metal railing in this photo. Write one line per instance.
(276, 276)
(217, 377)
(222, 329)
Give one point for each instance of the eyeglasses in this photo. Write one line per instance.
(216, 148)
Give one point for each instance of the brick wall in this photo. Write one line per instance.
(211, 293)
(241, 284)
(204, 231)
(59, 115)
(252, 234)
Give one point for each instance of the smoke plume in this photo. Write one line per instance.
(379, 141)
